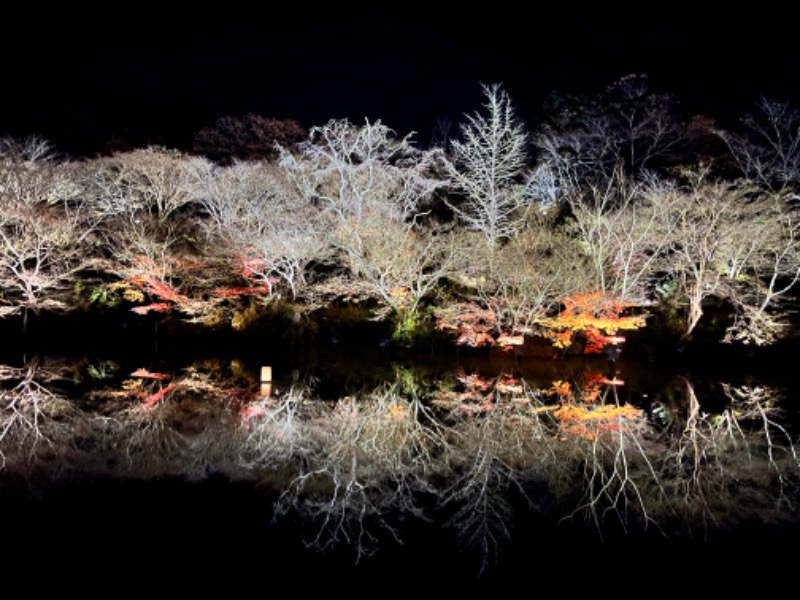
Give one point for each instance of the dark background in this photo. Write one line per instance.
(78, 76)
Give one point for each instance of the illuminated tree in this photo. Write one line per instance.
(44, 227)
(731, 244)
(596, 316)
(353, 171)
(143, 199)
(258, 224)
(487, 164)
(397, 264)
(624, 228)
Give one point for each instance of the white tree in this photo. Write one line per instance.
(253, 215)
(356, 171)
(43, 226)
(139, 196)
(486, 167)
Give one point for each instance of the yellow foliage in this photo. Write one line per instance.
(243, 319)
(129, 292)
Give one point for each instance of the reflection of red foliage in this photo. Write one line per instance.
(251, 412)
(155, 307)
(152, 399)
(592, 384)
(475, 383)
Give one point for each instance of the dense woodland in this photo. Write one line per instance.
(610, 211)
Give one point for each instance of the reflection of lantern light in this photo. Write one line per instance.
(266, 381)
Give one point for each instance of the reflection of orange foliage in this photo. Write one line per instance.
(509, 385)
(397, 411)
(562, 389)
(589, 422)
(597, 315)
(592, 384)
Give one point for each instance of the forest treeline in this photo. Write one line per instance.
(616, 204)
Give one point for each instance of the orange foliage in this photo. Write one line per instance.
(597, 316)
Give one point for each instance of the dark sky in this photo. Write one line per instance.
(80, 76)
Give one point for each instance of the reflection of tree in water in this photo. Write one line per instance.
(471, 455)
(38, 424)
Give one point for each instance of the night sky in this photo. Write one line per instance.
(78, 77)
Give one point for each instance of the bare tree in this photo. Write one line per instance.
(397, 264)
(355, 171)
(43, 226)
(625, 228)
(144, 200)
(732, 244)
(768, 150)
(257, 221)
(628, 126)
(486, 169)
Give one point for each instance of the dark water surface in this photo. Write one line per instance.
(86, 531)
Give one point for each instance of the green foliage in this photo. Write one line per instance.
(410, 325)
(103, 370)
(102, 296)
